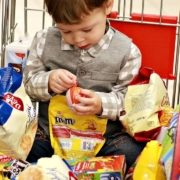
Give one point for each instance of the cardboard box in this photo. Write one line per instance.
(98, 168)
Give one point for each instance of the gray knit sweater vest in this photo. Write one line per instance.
(98, 74)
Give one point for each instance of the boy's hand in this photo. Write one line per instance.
(90, 103)
(61, 80)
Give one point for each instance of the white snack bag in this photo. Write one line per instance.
(48, 168)
(18, 121)
(17, 52)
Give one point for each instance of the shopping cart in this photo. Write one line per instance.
(157, 34)
(158, 37)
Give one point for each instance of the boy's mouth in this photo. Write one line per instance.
(85, 47)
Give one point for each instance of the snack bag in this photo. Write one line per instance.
(143, 103)
(17, 52)
(74, 137)
(18, 120)
(4, 159)
(48, 168)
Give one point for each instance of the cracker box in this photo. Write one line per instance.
(101, 168)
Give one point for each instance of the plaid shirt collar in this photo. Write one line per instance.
(93, 51)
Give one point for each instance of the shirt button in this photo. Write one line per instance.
(82, 72)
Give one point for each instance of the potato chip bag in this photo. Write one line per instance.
(74, 137)
(18, 122)
(143, 104)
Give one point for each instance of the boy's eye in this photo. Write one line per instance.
(87, 30)
(66, 32)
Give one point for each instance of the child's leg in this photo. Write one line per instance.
(41, 147)
(122, 143)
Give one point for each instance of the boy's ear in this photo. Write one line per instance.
(109, 6)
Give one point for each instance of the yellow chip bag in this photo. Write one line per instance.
(74, 137)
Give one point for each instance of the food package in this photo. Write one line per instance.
(4, 159)
(143, 104)
(74, 137)
(101, 168)
(11, 167)
(48, 168)
(170, 145)
(17, 52)
(18, 121)
(175, 173)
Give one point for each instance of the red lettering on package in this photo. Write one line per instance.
(14, 101)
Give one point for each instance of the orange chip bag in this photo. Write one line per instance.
(74, 137)
(166, 115)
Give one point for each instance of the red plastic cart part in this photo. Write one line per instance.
(113, 14)
(154, 18)
(156, 41)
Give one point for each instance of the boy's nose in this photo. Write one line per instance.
(78, 39)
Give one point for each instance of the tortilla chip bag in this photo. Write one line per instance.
(18, 120)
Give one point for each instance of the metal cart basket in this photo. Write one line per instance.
(156, 33)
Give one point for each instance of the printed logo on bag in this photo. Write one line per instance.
(14, 101)
(60, 119)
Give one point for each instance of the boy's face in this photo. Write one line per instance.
(87, 33)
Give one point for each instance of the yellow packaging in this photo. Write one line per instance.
(142, 105)
(148, 166)
(74, 137)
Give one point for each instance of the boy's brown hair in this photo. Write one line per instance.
(71, 11)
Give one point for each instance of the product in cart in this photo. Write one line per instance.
(17, 52)
(170, 156)
(175, 173)
(101, 168)
(11, 167)
(18, 121)
(48, 168)
(74, 137)
(148, 164)
(144, 101)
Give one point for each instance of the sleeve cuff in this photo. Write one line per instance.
(109, 106)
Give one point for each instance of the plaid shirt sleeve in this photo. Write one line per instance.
(113, 102)
(35, 76)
